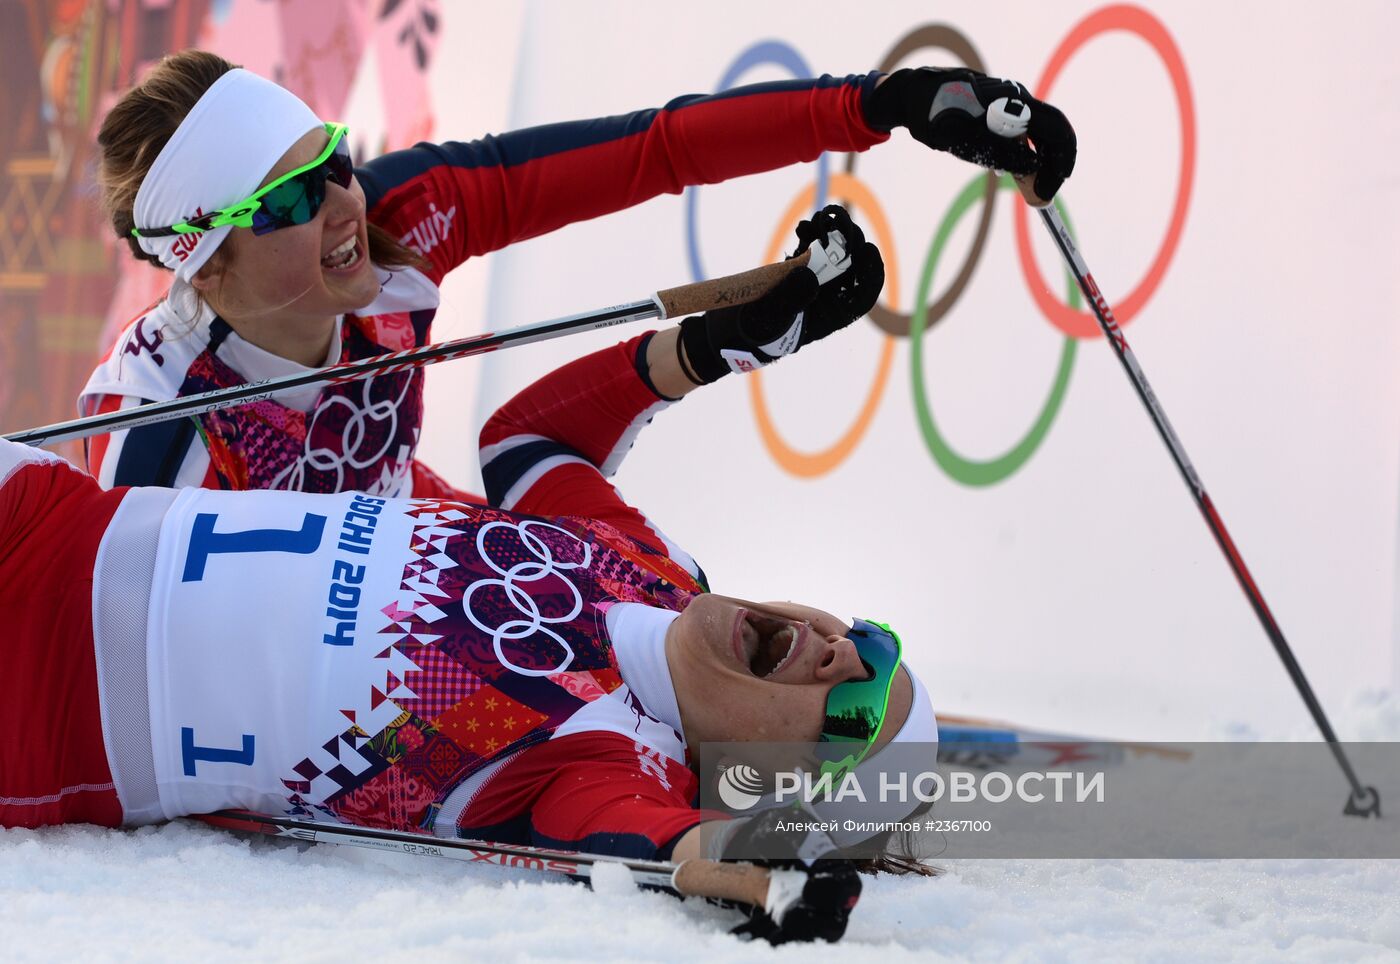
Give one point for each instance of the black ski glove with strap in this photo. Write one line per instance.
(841, 284)
(810, 894)
(980, 119)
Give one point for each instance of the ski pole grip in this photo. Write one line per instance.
(1025, 183)
(734, 289)
(698, 877)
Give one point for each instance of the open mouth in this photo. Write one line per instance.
(344, 256)
(765, 644)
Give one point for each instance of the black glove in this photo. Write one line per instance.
(810, 894)
(980, 119)
(800, 310)
(806, 902)
(850, 295)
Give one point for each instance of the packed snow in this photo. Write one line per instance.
(189, 892)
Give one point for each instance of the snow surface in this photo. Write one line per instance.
(188, 892)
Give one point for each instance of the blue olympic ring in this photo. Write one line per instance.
(778, 54)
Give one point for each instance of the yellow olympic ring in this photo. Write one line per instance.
(811, 464)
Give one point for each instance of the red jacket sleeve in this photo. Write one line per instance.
(454, 200)
(597, 793)
(551, 449)
(53, 762)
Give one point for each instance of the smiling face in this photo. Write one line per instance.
(283, 290)
(749, 672)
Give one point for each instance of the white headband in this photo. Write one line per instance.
(920, 726)
(218, 155)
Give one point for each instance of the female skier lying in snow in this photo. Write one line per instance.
(535, 671)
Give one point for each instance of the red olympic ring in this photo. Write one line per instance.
(1073, 323)
(1081, 324)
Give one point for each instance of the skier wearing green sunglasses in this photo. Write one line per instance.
(254, 204)
(791, 674)
(291, 199)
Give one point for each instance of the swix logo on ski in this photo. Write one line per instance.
(523, 860)
(431, 231)
(186, 243)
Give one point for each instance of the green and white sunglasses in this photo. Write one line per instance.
(856, 709)
(294, 198)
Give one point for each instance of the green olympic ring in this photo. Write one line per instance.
(961, 469)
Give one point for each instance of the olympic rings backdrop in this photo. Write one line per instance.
(1066, 316)
(970, 461)
(968, 464)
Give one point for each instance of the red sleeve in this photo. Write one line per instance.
(455, 200)
(592, 792)
(551, 449)
(53, 762)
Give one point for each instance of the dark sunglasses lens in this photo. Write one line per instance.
(339, 166)
(854, 709)
(291, 202)
(849, 718)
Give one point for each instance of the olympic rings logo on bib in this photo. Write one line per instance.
(927, 310)
(351, 449)
(533, 624)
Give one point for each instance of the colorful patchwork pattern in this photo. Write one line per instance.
(360, 437)
(495, 637)
(489, 721)
(438, 684)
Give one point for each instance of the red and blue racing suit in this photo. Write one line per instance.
(449, 202)
(153, 669)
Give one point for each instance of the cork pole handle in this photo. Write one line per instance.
(734, 289)
(745, 883)
(1025, 183)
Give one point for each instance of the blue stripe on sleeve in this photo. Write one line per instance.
(639, 362)
(506, 469)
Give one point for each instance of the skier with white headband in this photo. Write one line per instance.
(285, 258)
(536, 671)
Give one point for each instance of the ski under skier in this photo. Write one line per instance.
(285, 258)
(532, 671)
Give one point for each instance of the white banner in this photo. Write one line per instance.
(993, 487)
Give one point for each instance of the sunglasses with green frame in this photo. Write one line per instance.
(856, 709)
(294, 198)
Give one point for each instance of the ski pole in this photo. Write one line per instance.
(650, 873)
(735, 289)
(1363, 801)
(691, 878)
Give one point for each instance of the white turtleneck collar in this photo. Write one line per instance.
(639, 642)
(255, 364)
